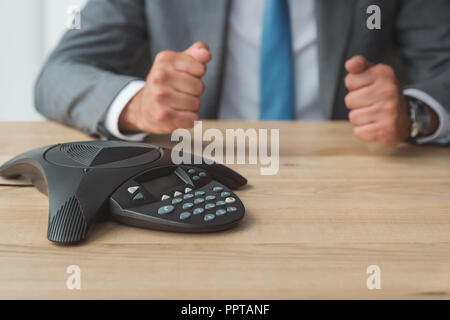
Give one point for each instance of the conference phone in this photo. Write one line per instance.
(134, 183)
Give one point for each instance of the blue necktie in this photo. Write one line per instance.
(276, 69)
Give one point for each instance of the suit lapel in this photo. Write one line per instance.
(334, 21)
(213, 31)
(175, 25)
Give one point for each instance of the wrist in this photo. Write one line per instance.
(129, 117)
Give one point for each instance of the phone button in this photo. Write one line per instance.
(210, 198)
(209, 217)
(138, 196)
(187, 205)
(177, 200)
(225, 194)
(230, 200)
(220, 203)
(198, 211)
(188, 196)
(132, 190)
(177, 193)
(231, 209)
(191, 171)
(217, 189)
(165, 210)
(210, 206)
(195, 178)
(199, 193)
(185, 215)
(221, 212)
(199, 200)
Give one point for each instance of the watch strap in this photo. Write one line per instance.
(420, 119)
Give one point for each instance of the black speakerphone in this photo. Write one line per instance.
(133, 183)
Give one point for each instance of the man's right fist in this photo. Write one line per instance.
(171, 96)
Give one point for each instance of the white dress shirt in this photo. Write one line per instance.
(240, 95)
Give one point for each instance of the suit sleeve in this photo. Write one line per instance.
(423, 35)
(91, 66)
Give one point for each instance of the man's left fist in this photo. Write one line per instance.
(378, 109)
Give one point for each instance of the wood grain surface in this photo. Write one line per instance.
(336, 206)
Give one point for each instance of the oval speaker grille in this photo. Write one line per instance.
(68, 225)
(81, 153)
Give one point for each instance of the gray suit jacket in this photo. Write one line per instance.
(119, 39)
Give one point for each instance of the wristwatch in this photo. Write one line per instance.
(420, 119)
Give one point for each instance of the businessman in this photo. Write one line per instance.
(151, 66)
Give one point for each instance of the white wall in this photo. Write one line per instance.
(29, 29)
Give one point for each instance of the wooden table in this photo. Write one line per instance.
(336, 206)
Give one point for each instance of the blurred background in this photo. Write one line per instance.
(29, 29)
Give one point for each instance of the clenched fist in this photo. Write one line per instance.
(171, 96)
(378, 109)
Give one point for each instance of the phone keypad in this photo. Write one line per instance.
(212, 202)
(201, 204)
